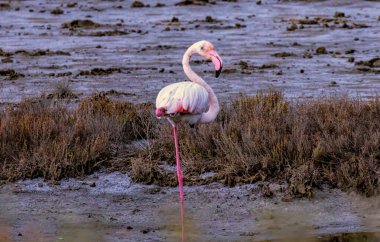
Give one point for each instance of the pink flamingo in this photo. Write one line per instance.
(192, 102)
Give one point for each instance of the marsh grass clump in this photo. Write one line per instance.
(62, 90)
(43, 138)
(265, 137)
(148, 172)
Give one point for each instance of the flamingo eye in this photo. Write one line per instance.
(202, 48)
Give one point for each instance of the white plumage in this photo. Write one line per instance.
(183, 97)
(192, 102)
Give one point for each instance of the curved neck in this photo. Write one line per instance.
(189, 72)
(213, 110)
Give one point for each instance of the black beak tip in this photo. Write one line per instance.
(217, 73)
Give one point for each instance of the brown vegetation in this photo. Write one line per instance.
(265, 137)
(41, 138)
(79, 23)
(11, 74)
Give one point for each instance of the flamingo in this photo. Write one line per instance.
(192, 102)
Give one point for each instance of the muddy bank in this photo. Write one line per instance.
(41, 40)
(109, 207)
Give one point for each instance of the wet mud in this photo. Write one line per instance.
(301, 46)
(109, 207)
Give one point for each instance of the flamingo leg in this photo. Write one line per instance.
(180, 179)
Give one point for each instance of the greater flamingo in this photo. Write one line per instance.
(192, 102)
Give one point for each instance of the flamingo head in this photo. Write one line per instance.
(207, 50)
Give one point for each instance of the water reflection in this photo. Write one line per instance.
(5, 233)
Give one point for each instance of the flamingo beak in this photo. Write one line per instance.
(217, 61)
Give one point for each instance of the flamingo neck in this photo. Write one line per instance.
(213, 110)
(189, 72)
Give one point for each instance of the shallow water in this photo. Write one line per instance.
(146, 47)
(109, 207)
(346, 237)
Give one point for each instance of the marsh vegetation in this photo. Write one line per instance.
(264, 137)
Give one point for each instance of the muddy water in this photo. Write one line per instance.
(140, 49)
(108, 207)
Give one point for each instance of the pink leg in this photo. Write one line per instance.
(180, 179)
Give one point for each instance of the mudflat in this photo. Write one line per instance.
(305, 48)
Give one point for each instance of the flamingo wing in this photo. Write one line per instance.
(184, 98)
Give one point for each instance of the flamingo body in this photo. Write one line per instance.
(182, 100)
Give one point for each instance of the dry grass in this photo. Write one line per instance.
(61, 90)
(41, 138)
(265, 138)
(332, 141)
